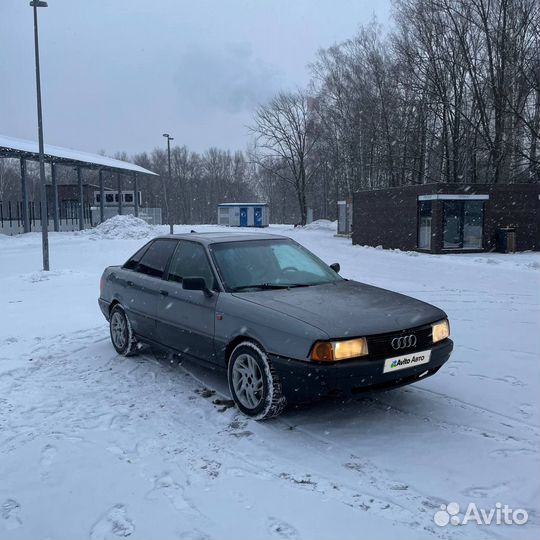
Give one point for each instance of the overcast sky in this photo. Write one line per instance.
(116, 74)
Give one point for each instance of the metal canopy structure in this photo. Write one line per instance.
(21, 148)
(11, 147)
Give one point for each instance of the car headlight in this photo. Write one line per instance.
(333, 351)
(440, 330)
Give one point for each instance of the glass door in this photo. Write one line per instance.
(463, 224)
(424, 224)
(473, 224)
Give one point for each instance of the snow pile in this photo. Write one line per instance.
(122, 227)
(321, 225)
(41, 275)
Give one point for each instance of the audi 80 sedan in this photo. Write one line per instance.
(284, 326)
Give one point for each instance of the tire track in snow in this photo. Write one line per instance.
(455, 402)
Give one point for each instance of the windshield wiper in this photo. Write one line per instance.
(269, 286)
(259, 286)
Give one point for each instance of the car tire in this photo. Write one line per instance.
(254, 383)
(122, 337)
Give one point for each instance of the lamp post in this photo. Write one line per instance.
(43, 189)
(169, 216)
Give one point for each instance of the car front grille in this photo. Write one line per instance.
(381, 344)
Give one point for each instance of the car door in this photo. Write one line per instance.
(186, 318)
(141, 279)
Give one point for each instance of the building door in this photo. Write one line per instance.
(424, 224)
(243, 217)
(258, 216)
(463, 224)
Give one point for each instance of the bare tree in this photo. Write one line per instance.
(286, 135)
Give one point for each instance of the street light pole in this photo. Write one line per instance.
(43, 189)
(169, 215)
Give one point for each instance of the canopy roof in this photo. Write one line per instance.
(21, 148)
(243, 204)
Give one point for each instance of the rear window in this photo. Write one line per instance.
(132, 263)
(155, 258)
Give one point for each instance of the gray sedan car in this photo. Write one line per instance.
(283, 325)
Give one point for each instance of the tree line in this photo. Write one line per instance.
(450, 94)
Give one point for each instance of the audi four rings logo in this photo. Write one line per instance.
(404, 342)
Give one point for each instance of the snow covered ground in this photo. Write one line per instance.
(95, 445)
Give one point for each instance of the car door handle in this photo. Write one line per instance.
(164, 293)
(130, 283)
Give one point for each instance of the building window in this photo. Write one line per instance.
(128, 198)
(463, 224)
(424, 224)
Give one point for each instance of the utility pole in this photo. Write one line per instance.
(44, 211)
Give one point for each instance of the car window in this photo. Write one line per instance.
(287, 258)
(190, 260)
(269, 263)
(154, 260)
(132, 263)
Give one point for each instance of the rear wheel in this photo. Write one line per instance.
(253, 382)
(122, 336)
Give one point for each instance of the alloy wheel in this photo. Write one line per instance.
(247, 380)
(119, 329)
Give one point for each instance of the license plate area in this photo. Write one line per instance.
(406, 361)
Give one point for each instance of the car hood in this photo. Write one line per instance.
(348, 308)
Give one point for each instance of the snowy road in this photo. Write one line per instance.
(95, 445)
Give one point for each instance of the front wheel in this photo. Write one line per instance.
(122, 336)
(253, 382)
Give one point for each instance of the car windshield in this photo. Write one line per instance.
(269, 264)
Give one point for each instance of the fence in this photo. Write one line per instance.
(12, 221)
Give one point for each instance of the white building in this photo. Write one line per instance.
(244, 214)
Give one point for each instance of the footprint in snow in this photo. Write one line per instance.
(281, 529)
(525, 410)
(47, 456)
(120, 422)
(114, 523)
(211, 467)
(481, 492)
(194, 533)
(10, 512)
(165, 485)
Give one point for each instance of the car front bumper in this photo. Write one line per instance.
(306, 381)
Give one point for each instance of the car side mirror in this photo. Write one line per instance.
(196, 283)
(335, 267)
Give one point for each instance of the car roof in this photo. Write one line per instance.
(220, 237)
